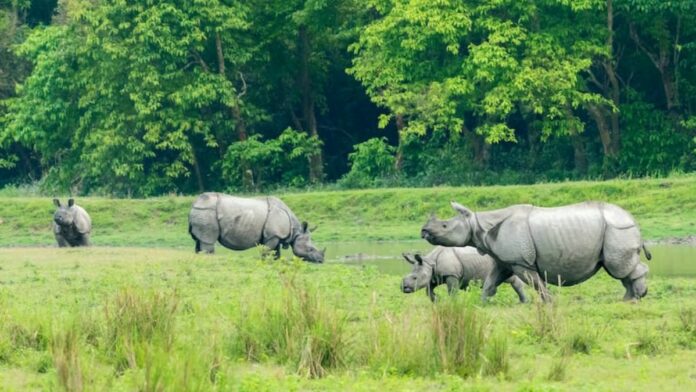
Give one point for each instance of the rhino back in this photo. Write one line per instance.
(568, 241)
(82, 221)
(463, 262)
(241, 221)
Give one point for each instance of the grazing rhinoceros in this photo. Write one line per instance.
(241, 223)
(454, 266)
(562, 245)
(72, 225)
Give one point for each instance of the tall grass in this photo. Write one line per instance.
(295, 328)
(65, 347)
(134, 319)
(458, 332)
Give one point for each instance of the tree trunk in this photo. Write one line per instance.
(197, 169)
(239, 124)
(399, 159)
(615, 88)
(316, 165)
(598, 115)
(579, 154)
(479, 147)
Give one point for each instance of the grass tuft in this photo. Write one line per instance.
(65, 347)
(458, 336)
(134, 318)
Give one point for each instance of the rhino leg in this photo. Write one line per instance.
(273, 244)
(83, 240)
(533, 279)
(497, 276)
(205, 247)
(430, 290)
(452, 284)
(62, 242)
(464, 285)
(518, 286)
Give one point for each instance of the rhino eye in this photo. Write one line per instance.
(444, 225)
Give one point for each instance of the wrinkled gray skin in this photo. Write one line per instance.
(242, 223)
(455, 267)
(72, 225)
(562, 245)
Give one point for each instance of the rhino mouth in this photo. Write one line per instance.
(406, 289)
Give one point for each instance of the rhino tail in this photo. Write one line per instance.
(648, 255)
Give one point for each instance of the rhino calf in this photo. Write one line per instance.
(455, 267)
(72, 225)
(240, 223)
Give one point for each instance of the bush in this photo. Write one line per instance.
(371, 161)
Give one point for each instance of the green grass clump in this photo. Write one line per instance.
(295, 326)
(65, 346)
(134, 319)
(458, 335)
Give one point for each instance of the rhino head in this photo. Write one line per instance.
(64, 216)
(304, 248)
(452, 232)
(420, 276)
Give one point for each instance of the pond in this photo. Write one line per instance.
(667, 260)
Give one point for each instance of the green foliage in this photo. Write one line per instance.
(370, 162)
(281, 160)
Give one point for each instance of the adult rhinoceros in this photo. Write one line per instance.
(563, 245)
(242, 223)
(72, 225)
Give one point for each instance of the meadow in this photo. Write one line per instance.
(140, 311)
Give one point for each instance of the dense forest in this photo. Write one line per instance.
(145, 97)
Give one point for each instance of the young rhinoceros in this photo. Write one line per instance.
(72, 225)
(241, 223)
(454, 266)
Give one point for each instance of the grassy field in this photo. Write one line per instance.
(140, 311)
(128, 319)
(663, 207)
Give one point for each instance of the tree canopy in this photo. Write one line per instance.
(148, 97)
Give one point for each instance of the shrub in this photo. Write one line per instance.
(370, 161)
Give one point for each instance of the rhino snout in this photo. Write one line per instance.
(425, 234)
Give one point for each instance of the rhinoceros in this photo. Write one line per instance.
(456, 267)
(241, 223)
(72, 225)
(563, 245)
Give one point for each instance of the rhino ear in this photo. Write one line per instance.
(304, 227)
(409, 257)
(56, 202)
(419, 259)
(461, 209)
(71, 202)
